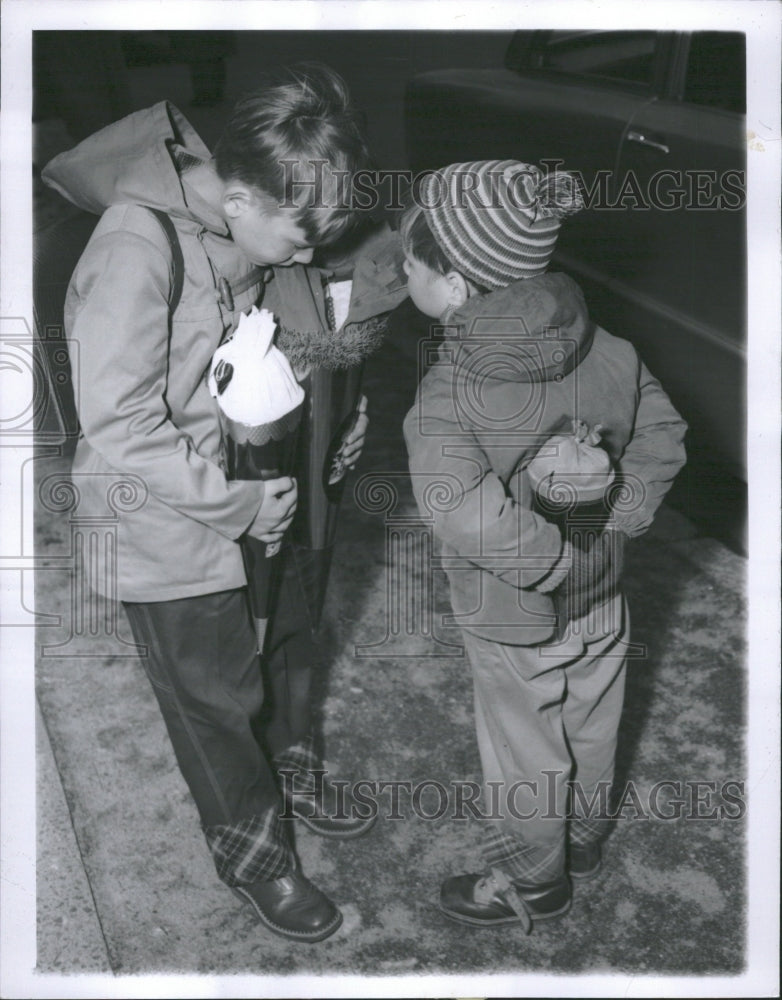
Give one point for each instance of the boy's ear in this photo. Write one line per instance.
(459, 290)
(237, 198)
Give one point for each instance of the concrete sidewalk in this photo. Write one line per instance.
(70, 936)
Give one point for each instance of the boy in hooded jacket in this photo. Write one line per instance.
(519, 361)
(150, 426)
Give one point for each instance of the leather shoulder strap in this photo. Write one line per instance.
(178, 272)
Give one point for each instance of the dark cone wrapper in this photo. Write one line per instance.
(581, 517)
(332, 398)
(261, 449)
(261, 452)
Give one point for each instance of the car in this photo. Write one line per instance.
(653, 123)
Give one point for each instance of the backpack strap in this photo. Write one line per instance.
(178, 276)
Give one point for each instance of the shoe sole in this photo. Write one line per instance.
(308, 937)
(503, 921)
(335, 834)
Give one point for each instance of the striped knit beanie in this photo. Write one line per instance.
(497, 220)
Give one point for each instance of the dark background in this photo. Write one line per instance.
(90, 78)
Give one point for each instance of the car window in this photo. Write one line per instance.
(716, 70)
(621, 56)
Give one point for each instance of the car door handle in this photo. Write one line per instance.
(645, 140)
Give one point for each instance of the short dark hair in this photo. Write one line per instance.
(300, 113)
(418, 239)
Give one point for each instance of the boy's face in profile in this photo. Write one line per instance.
(431, 292)
(270, 235)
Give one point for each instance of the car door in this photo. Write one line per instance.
(683, 258)
(561, 96)
(603, 80)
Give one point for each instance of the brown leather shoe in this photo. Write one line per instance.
(292, 907)
(491, 900)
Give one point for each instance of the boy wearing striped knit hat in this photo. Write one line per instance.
(525, 389)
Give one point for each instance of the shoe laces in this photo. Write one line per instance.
(499, 882)
(485, 888)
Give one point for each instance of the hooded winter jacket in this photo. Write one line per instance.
(147, 462)
(517, 366)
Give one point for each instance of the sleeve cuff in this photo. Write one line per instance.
(558, 572)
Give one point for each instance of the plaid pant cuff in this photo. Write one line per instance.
(589, 816)
(256, 849)
(302, 759)
(589, 830)
(531, 864)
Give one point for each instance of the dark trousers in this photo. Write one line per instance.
(290, 657)
(226, 712)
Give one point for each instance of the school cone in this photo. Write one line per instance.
(262, 453)
(260, 405)
(333, 405)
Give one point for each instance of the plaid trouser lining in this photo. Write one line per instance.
(253, 850)
(528, 863)
(588, 830)
(589, 813)
(302, 759)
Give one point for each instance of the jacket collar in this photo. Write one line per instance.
(535, 330)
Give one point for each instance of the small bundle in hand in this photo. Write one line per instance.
(571, 477)
(572, 470)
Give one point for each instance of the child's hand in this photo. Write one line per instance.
(353, 445)
(277, 510)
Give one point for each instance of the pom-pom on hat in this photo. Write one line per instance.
(497, 220)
